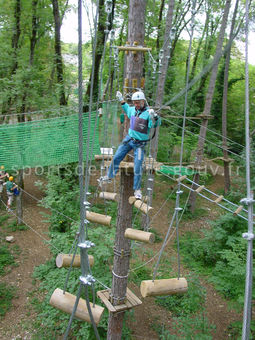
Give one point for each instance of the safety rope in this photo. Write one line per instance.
(204, 138)
(83, 234)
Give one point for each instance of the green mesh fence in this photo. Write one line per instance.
(46, 142)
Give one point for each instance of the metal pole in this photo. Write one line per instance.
(249, 200)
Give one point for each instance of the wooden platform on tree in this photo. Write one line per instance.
(131, 301)
(129, 166)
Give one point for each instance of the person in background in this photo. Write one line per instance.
(142, 119)
(10, 187)
(3, 175)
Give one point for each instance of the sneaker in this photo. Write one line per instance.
(138, 194)
(104, 180)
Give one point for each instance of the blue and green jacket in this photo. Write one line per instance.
(140, 122)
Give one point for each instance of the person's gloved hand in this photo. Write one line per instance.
(119, 96)
(153, 114)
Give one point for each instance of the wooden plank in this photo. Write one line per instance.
(134, 48)
(131, 301)
(199, 189)
(238, 210)
(132, 296)
(107, 303)
(219, 199)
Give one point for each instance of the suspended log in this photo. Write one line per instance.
(64, 260)
(100, 157)
(112, 196)
(98, 218)
(238, 210)
(219, 199)
(139, 235)
(132, 199)
(65, 302)
(134, 48)
(163, 287)
(146, 209)
(179, 179)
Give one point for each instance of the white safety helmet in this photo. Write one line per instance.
(139, 95)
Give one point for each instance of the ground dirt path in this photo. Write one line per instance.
(35, 251)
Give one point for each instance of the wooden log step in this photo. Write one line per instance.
(238, 210)
(65, 302)
(139, 235)
(132, 199)
(98, 218)
(180, 179)
(202, 116)
(145, 208)
(219, 199)
(131, 301)
(199, 189)
(111, 196)
(101, 157)
(64, 260)
(163, 287)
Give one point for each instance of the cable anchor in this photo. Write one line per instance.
(87, 280)
(86, 245)
(247, 201)
(248, 236)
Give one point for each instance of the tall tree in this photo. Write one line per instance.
(58, 54)
(134, 69)
(207, 107)
(99, 47)
(224, 107)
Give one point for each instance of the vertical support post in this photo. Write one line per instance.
(133, 70)
(121, 255)
(249, 200)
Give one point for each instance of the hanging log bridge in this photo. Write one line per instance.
(163, 287)
(64, 260)
(65, 302)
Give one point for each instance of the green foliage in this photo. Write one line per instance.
(7, 293)
(221, 253)
(3, 218)
(6, 258)
(188, 303)
(13, 226)
(192, 327)
(169, 145)
(62, 195)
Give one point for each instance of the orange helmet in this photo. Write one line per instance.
(10, 178)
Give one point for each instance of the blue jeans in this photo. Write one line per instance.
(127, 145)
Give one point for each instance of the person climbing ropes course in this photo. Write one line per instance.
(10, 187)
(142, 119)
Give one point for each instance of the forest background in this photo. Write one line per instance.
(38, 75)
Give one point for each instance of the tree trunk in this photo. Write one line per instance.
(162, 5)
(224, 107)
(207, 107)
(33, 37)
(20, 183)
(159, 99)
(58, 55)
(134, 67)
(165, 59)
(16, 35)
(101, 34)
(121, 263)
